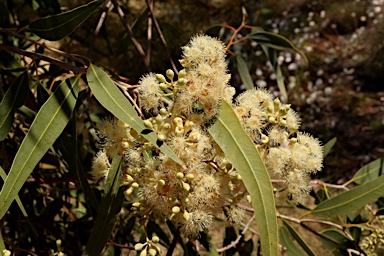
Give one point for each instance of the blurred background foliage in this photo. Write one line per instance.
(339, 94)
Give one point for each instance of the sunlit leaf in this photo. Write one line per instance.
(369, 172)
(328, 146)
(244, 73)
(242, 153)
(13, 98)
(287, 243)
(111, 98)
(351, 200)
(46, 127)
(298, 238)
(110, 206)
(58, 26)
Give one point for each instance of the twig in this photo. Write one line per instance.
(131, 36)
(98, 27)
(162, 39)
(300, 222)
(175, 240)
(34, 56)
(125, 91)
(234, 243)
(149, 32)
(71, 56)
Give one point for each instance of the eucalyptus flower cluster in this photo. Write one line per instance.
(373, 244)
(286, 152)
(179, 107)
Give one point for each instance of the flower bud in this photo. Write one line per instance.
(159, 120)
(190, 176)
(186, 186)
(143, 253)
(186, 215)
(170, 74)
(249, 200)
(180, 175)
(152, 252)
(155, 239)
(163, 112)
(139, 246)
(128, 191)
(161, 182)
(182, 73)
(161, 137)
(148, 124)
(181, 81)
(137, 204)
(175, 209)
(163, 86)
(135, 185)
(166, 128)
(160, 78)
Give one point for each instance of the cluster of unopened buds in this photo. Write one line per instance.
(179, 112)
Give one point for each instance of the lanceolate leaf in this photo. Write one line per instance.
(298, 238)
(3, 175)
(13, 98)
(352, 199)
(110, 206)
(244, 73)
(58, 26)
(369, 172)
(275, 41)
(240, 150)
(46, 127)
(287, 243)
(114, 101)
(328, 146)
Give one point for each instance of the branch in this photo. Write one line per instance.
(34, 56)
(234, 243)
(162, 39)
(131, 36)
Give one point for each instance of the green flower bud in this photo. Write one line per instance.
(181, 81)
(128, 191)
(175, 209)
(135, 185)
(186, 215)
(143, 253)
(249, 200)
(137, 204)
(152, 252)
(170, 74)
(155, 239)
(160, 78)
(163, 86)
(190, 176)
(161, 137)
(186, 186)
(182, 73)
(159, 120)
(165, 128)
(161, 182)
(148, 124)
(180, 175)
(163, 112)
(139, 246)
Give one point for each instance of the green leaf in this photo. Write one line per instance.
(111, 98)
(369, 172)
(110, 206)
(328, 146)
(287, 243)
(13, 98)
(351, 200)
(212, 249)
(2, 245)
(298, 238)
(242, 153)
(275, 41)
(58, 26)
(337, 243)
(3, 175)
(271, 54)
(46, 127)
(244, 73)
